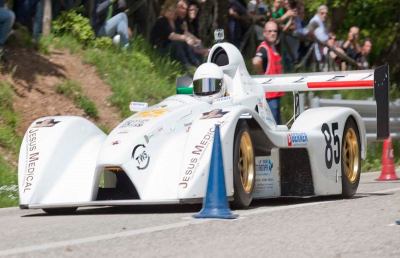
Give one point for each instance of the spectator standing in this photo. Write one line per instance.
(37, 26)
(237, 21)
(6, 21)
(193, 19)
(268, 61)
(277, 9)
(289, 43)
(351, 46)
(259, 12)
(366, 48)
(333, 60)
(300, 31)
(109, 19)
(317, 29)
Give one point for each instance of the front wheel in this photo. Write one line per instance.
(351, 158)
(244, 175)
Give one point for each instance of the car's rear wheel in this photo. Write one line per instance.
(60, 211)
(244, 174)
(351, 158)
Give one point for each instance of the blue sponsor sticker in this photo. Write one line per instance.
(296, 139)
(264, 165)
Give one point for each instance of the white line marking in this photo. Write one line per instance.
(51, 245)
(46, 246)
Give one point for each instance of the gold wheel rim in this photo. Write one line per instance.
(351, 155)
(246, 162)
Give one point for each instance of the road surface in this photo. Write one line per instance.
(364, 226)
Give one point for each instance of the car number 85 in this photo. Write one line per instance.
(330, 153)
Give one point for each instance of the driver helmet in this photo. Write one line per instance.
(208, 83)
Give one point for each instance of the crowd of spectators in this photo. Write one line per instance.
(297, 37)
(176, 30)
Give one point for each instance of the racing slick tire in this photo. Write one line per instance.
(351, 158)
(60, 211)
(244, 174)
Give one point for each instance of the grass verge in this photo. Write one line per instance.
(9, 141)
(8, 185)
(138, 74)
(73, 90)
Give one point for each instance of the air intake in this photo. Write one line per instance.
(116, 185)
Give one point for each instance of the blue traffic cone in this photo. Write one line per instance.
(215, 203)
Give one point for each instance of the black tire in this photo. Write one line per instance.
(60, 211)
(351, 158)
(244, 174)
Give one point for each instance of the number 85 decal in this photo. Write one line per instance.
(329, 152)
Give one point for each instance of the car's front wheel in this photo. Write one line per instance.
(351, 158)
(244, 174)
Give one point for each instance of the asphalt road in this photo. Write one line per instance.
(364, 226)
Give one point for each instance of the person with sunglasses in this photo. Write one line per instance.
(268, 61)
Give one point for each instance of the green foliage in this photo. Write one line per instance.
(74, 24)
(73, 90)
(9, 141)
(137, 74)
(8, 119)
(103, 43)
(377, 19)
(8, 185)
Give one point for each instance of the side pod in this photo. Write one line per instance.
(57, 160)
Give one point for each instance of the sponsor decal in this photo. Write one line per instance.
(265, 165)
(153, 112)
(223, 99)
(265, 180)
(216, 113)
(297, 139)
(50, 122)
(137, 106)
(32, 158)
(141, 157)
(188, 126)
(196, 154)
(133, 123)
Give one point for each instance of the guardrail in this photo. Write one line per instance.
(367, 110)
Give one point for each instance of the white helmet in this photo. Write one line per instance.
(208, 83)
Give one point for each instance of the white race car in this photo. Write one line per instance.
(161, 154)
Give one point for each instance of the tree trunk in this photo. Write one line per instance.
(222, 16)
(46, 18)
(206, 21)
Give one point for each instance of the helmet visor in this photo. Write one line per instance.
(207, 86)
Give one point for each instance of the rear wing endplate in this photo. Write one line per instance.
(377, 79)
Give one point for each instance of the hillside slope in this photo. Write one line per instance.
(35, 77)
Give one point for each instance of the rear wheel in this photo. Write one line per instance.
(60, 211)
(351, 158)
(243, 167)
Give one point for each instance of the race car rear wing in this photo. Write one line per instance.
(378, 79)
